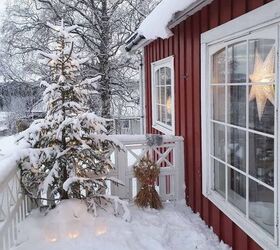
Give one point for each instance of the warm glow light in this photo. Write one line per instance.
(100, 230)
(73, 235)
(263, 73)
(168, 105)
(52, 239)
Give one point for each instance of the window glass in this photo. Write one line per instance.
(261, 206)
(261, 158)
(237, 57)
(237, 105)
(218, 103)
(237, 189)
(262, 87)
(219, 177)
(219, 141)
(218, 68)
(237, 148)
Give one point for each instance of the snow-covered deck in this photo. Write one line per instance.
(71, 227)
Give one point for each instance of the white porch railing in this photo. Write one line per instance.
(14, 207)
(168, 152)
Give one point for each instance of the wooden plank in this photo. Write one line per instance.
(166, 49)
(253, 4)
(196, 112)
(240, 239)
(215, 219)
(161, 43)
(252, 245)
(204, 19)
(226, 229)
(177, 79)
(238, 8)
(147, 78)
(205, 210)
(189, 141)
(214, 14)
(226, 11)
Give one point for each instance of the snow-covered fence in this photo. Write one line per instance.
(14, 207)
(167, 151)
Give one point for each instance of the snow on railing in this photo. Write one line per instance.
(166, 151)
(14, 207)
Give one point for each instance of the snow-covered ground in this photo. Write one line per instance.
(71, 227)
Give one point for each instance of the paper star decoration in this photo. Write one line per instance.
(263, 73)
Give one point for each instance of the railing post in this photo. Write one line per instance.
(179, 170)
(121, 161)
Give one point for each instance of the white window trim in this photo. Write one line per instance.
(164, 128)
(260, 18)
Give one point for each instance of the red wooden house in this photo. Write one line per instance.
(210, 76)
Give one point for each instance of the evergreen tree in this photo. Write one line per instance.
(69, 154)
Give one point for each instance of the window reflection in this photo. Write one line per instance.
(261, 206)
(237, 105)
(237, 148)
(219, 141)
(218, 100)
(261, 158)
(237, 189)
(218, 72)
(237, 57)
(219, 177)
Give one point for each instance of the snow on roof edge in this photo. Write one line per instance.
(155, 25)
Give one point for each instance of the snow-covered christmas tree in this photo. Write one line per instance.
(69, 154)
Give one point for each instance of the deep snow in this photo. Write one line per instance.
(71, 227)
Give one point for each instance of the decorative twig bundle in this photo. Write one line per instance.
(147, 172)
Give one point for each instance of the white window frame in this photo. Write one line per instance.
(261, 18)
(160, 126)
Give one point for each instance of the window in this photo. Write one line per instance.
(163, 95)
(239, 96)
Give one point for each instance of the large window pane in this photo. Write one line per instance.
(261, 158)
(237, 148)
(218, 103)
(237, 57)
(218, 68)
(237, 105)
(261, 206)
(219, 141)
(237, 189)
(219, 177)
(261, 109)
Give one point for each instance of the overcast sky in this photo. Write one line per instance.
(2, 4)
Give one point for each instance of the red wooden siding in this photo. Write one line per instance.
(185, 47)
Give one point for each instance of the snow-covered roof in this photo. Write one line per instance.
(157, 23)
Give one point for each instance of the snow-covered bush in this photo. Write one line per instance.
(69, 154)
